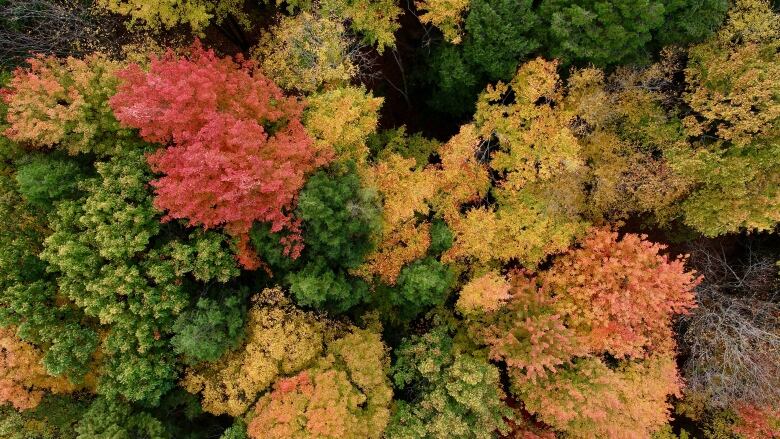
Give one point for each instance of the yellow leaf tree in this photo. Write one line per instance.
(305, 52)
(345, 395)
(447, 15)
(280, 341)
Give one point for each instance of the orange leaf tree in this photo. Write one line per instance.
(621, 294)
(610, 297)
(63, 103)
(23, 379)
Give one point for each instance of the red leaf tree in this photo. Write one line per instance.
(237, 152)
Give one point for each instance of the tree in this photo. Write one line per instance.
(342, 119)
(208, 330)
(461, 177)
(538, 198)
(55, 417)
(520, 327)
(589, 399)
(621, 293)
(235, 431)
(230, 165)
(375, 20)
(305, 52)
(404, 192)
(455, 82)
(731, 339)
(535, 141)
(167, 14)
(447, 15)
(280, 340)
(554, 334)
(497, 36)
(756, 422)
(598, 32)
(690, 21)
(115, 265)
(423, 283)
(46, 179)
(502, 34)
(485, 293)
(735, 125)
(624, 131)
(30, 300)
(340, 217)
(23, 380)
(64, 104)
(455, 393)
(112, 417)
(345, 395)
(385, 143)
(316, 284)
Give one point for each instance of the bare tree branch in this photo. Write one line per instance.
(732, 341)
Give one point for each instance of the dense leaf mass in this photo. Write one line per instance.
(377, 219)
(239, 154)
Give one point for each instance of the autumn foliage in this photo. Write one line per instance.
(345, 395)
(280, 340)
(620, 293)
(23, 380)
(473, 219)
(611, 295)
(63, 103)
(238, 152)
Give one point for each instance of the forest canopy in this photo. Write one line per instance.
(246, 219)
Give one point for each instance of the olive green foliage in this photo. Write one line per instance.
(28, 294)
(384, 143)
(108, 263)
(206, 331)
(689, 21)
(453, 393)
(316, 284)
(116, 419)
(59, 417)
(734, 95)
(46, 179)
(339, 219)
(421, 284)
(56, 417)
(591, 31)
(441, 237)
(500, 34)
(499, 27)
(455, 82)
(235, 431)
(93, 247)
